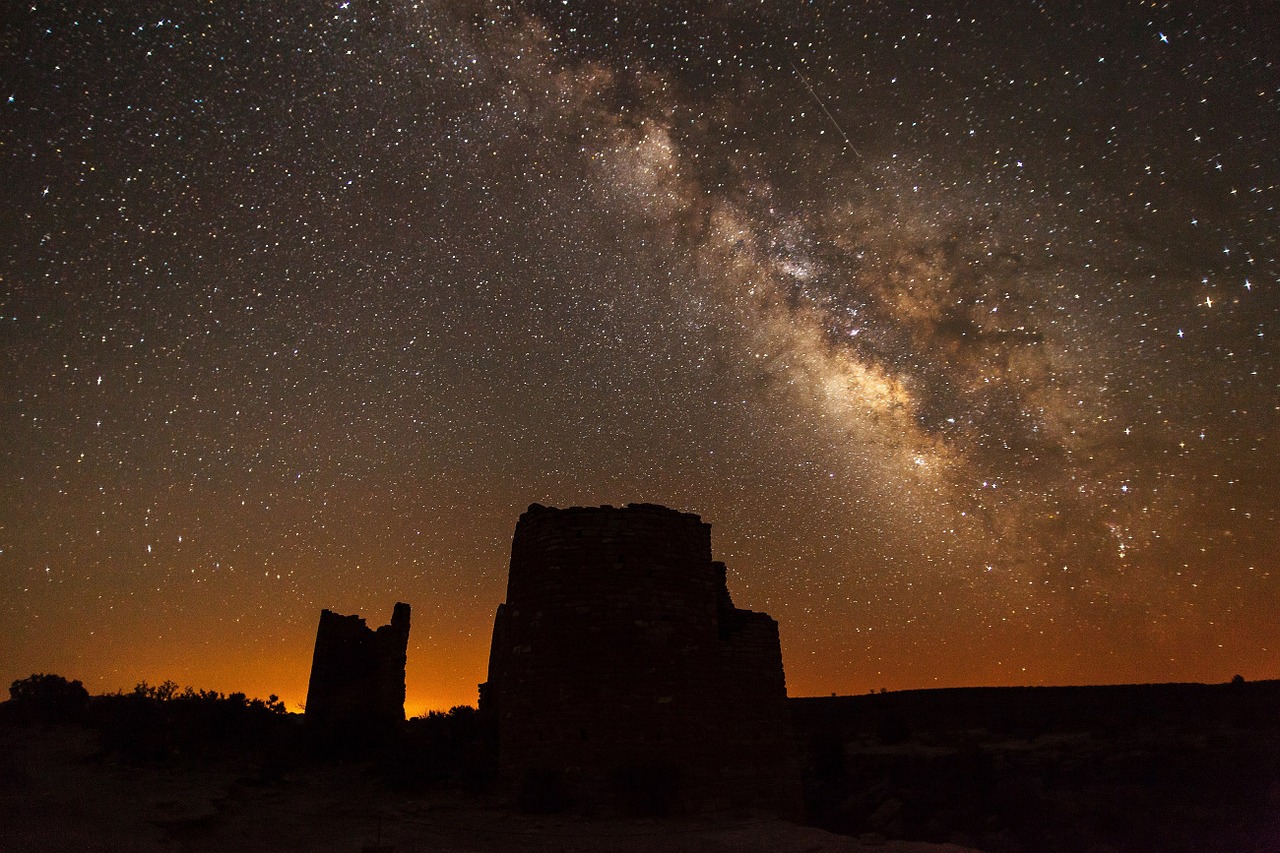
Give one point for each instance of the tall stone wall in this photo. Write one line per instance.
(620, 669)
(357, 675)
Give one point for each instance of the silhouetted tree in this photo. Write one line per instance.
(48, 698)
(457, 747)
(153, 722)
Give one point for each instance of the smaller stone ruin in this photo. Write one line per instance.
(357, 676)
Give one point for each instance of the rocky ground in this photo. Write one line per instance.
(1123, 769)
(59, 791)
(1120, 769)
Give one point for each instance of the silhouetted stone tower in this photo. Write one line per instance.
(621, 671)
(357, 675)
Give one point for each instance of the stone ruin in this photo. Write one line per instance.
(357, 676)
(621, 674)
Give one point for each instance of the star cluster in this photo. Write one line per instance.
(954, 321)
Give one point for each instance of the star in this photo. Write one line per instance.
(370, 287)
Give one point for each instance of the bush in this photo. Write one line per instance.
(153, 722)
(48, 699)
(457, 748)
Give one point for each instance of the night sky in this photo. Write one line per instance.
(955, 321)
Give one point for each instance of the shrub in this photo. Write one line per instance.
(48, 698)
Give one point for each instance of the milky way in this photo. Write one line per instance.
(955, 324)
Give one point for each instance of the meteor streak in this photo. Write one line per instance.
(818, 101)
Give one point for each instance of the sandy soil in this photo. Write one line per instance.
(58, 793)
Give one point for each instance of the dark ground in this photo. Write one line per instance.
(58, 792)
(1170, 768)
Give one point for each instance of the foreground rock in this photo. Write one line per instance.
(58, 793)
